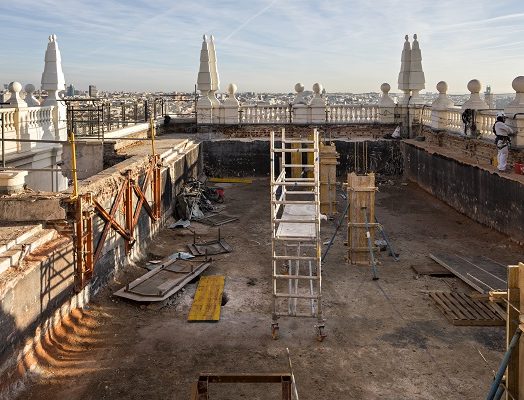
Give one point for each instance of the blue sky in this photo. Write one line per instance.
(264, 45)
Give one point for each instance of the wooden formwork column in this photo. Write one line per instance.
(361, 197)
(512, 323)
(296, 159)
(328, 179)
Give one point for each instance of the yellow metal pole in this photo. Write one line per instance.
(153, 133)
(73, 162)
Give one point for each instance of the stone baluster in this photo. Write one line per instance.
(318, 105)
(515, 111)
(231, 105)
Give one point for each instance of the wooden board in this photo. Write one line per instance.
(299, 230)
(461, 310)
(431, 270)
(481, 273)
(208, 299)
(361, 193)
(231, 180)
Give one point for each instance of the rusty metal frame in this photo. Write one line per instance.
(200, 390)
(87, 253)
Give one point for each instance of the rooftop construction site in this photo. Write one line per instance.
(238, 251)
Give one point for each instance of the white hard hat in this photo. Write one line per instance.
(501, 114)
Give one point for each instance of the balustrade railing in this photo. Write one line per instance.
(273, 114)
(337, 114)
(7, 116)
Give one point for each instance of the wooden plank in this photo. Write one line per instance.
(431, 270)
(478, 272)
(461, 310)
(328, 179)
(208, 299)
(231, 180)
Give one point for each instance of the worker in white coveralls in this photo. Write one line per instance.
(502, 140)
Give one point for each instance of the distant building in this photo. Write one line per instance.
(488, 97)
(93, 92)
(70, 92)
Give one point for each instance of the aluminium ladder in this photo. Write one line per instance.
(295, 239)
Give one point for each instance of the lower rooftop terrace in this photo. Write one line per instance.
(68, 247)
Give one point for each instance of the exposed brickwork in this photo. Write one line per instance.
(475, 150)
(328, 131)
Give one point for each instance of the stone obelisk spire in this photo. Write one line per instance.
(403, 76)
(417, 80)
(53, 80)
(215, 80)
(204, 104)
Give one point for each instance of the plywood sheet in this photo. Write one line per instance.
(300, 230)
(481, 273)
(208, 299)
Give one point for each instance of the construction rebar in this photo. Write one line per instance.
(370, 246)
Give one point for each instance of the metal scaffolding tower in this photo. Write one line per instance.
(295, 239)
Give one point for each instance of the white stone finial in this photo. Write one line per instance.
(213, 68)
(15, 100)
(53, 80)
(204, 72)
(475, 102)
(517, 104)
(403, 75)
(300, 97)
(415, 36)
(231, 89)
(317, 89)
(443, 101)
(385, 100)
(30, 99)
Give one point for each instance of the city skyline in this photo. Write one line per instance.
(264, 46)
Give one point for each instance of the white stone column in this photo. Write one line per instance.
(386, 106)
(300, 108)
(231, 105)
(318, 105)
(515, 108)
(440, 106)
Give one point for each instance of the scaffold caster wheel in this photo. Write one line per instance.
(274, 331)
(320, 333)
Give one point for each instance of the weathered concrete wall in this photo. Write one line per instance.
(89, 159)
(250, 157)
(482, 195)
(34, 298)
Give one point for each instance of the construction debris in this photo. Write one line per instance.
(195, 199)
(162, 282)
(216, 219)
(151, 265)
(213, 247)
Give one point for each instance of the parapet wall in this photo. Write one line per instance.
(250, 157)
(477, 191)
(36, 296)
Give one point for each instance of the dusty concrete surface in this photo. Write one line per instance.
(386, 340)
